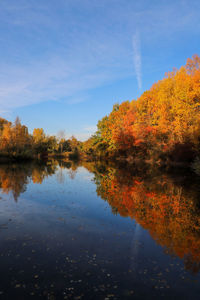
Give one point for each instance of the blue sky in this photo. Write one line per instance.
(64, 63)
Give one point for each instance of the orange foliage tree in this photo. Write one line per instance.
(163, 122)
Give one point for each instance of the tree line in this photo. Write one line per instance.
(16, 142)
(162, 125)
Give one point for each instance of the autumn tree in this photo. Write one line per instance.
(40, 142)
(15, 139)
(162, 124)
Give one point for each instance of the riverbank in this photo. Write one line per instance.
(129, 162)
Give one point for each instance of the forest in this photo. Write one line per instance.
(162, 126)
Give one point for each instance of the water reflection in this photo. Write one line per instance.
(14, 178)
(168, 207)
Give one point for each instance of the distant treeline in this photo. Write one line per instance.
(17, 143)
(162, 125)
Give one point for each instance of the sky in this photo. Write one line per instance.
(64, 63)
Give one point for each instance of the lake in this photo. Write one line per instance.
(91, 231)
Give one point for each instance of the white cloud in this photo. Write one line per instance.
(137, 59)
(85, 133)
(54, 79)
(92, 128)
(4, 113)
(81, 136)
(60, 50)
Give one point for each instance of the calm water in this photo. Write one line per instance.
(88, 231)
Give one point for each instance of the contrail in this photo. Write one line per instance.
(137, 59)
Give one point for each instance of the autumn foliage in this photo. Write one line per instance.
(17, 143)
(163, 124)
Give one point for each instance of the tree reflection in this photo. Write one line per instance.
(72, 167)
(168, 210)
(15, 177)
(167, 207)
